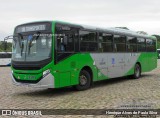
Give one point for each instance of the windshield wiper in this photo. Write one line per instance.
(30, 43)
(21, 44)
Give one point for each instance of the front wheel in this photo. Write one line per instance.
(137, 71)
(84, 80)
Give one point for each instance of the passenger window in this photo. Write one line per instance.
(150, 45)
(105, 42)
(88, 42)
(131, 44)
(119, 43)
(141, 44)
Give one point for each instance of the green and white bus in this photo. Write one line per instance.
(54, 54)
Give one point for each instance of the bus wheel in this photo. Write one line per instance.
(137, 71)
(84, 80)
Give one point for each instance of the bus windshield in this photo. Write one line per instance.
(31, 47)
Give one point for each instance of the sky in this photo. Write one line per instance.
(137, 15)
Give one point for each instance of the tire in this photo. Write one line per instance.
(84, 80)
(137, 71)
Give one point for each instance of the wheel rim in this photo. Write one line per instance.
(137, 71)
(83, 80)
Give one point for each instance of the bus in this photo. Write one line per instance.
(5, 58)
(55, 54)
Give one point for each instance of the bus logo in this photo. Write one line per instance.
(113, 61)
(6, 112)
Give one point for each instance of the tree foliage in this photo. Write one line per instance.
(8, 46)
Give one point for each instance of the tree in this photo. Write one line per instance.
(8, 48)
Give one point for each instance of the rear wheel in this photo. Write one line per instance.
(137, 71)
(84, 80)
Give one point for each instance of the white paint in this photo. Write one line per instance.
(123, 62)
(46, 82)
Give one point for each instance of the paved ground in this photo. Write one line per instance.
(116, 93)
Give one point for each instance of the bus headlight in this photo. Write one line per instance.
(46, 72)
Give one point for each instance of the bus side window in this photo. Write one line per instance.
(150, 45)
(106, 42)
(88, 42)
(131, 44)
(119, 43)
(141, 44)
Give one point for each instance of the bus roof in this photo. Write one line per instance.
(111, 30)
(108, 30)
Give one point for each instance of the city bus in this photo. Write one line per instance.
(55, 54)
(5, 58)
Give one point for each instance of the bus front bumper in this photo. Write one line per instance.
(45, 82)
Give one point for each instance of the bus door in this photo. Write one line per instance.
(66, 46)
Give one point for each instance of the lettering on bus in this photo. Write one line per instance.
(31, 28)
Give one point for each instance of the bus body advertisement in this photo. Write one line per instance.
(56, 54)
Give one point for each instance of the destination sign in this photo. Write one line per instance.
(31, 28)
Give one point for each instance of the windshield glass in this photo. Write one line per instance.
(31, 47)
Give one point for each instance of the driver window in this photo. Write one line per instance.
(65, 40)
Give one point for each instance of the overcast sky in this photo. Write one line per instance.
(137, 15)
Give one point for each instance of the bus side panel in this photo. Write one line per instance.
(143, 60)
(101, 63)
(85, 59)
(152, 61)
(116, 65)
(68, 69)
(130, 61)
(111, 65)
(65, 79)
(66, 72)
(56, 79)
(148, 61)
